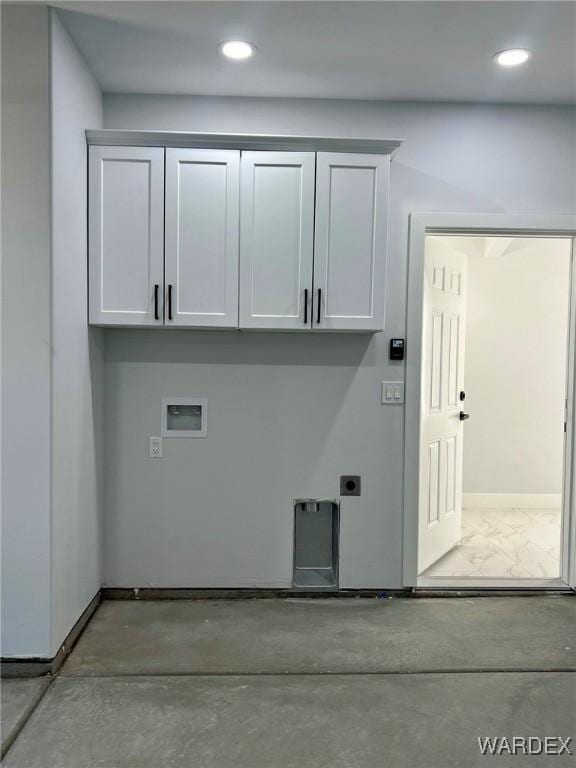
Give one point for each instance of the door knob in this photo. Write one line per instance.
(463, 416)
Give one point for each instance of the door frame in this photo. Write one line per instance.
(511, 225)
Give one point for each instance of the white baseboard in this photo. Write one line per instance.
(511, 500)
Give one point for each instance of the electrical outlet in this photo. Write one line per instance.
(350, 485)
(155, 448)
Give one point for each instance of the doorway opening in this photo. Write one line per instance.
(494, 385)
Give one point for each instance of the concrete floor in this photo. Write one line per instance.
(18, 697)
(308, 684)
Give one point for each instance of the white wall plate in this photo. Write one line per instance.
(184, 417)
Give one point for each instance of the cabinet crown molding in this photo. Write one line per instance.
(247, 141)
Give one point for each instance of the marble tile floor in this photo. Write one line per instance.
(507, 543)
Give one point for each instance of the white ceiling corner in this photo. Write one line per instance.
(407, 51)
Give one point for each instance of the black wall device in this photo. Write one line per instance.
(396, 349)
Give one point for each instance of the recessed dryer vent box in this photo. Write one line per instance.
(316, 543)
(184, 417)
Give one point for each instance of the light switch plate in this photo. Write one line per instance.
(155, 448)
(392, 392)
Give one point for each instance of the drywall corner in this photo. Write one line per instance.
(77, 360)
(26, 332)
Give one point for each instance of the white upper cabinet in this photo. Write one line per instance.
(277, 234)
(202, 233)
(126, 223)
(350, 241)
(268, 238)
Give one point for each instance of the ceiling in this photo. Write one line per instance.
(431, 51)
(480, 247)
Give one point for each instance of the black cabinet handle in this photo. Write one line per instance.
(319, 306)
(462, 395)
(156, 302)
(463, 416)
(305, 306)
(169, 302)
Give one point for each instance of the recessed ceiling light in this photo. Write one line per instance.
(236, 49)
(513, 57)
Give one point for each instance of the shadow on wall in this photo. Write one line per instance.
(96, 362)
(239, 348)
(416, 191)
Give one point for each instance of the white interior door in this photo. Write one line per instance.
(350, 247)
(441, 429)
(277, 232)
(126, 235)
(202, 237)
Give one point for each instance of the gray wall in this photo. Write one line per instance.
(77, 354)
(51, 364)
(25, 332)
(288, 413)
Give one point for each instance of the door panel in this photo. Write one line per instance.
(435, 374)
(451, 474)
(453, 339)
(126, 239)
(202, 237)
(440, 514)
(277, 220)
(433, 481)
(350, 241)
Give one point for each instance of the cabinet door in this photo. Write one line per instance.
(277, 223)
(126, 237)
(350, 241)
(202, 232)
